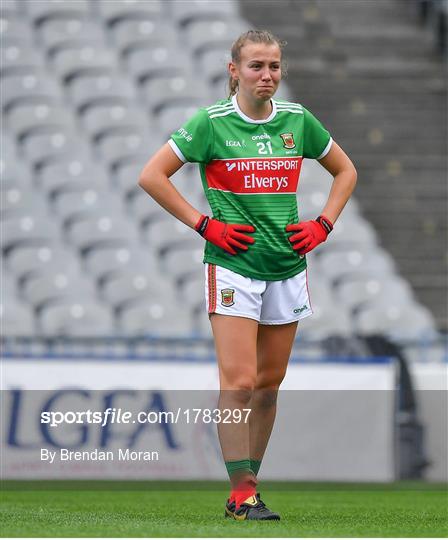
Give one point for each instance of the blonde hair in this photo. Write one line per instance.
(254, 36)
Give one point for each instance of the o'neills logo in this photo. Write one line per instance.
(254, 175)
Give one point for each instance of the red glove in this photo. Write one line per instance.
(309, 234)
(225, 235)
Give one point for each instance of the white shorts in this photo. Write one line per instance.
(268, 302)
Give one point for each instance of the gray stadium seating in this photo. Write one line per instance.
(34, 260)
(19, 59)
(27, 230)
(103, 230)
(34, 87)
(61, 33)
(14, 30)
(153, 318)
(142, 33)
(77, 318)
(71, 175)
(132, 286)
(55, 286)
(104, 90)
(114, 11)
(27, 119)
(105, 262)
(17, 319)
(185, 13)
(90, 89)
(42, 10)
(85, 60)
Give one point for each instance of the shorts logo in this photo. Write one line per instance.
(300, 309)
(288, 140)
(227, 297)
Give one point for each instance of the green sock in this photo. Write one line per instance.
(238, 466)
(255, 465)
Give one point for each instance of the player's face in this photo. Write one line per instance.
(259, 70)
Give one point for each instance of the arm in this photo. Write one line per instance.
(338, 164)
(154, 179)
(309, 234)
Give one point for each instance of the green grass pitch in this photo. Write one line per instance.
(195, 509)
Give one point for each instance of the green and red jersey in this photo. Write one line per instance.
(250, 172)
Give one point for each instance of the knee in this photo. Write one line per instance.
(239, 391)
(265, 397)
(270, 379)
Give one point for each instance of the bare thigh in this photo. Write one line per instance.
(274, 344)
(236, 349)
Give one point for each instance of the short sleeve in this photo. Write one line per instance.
(193, 141)
(317, 140)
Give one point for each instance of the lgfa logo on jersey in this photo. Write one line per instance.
(227, 297)
(288, 140)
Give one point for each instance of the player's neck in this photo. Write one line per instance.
(255, 109)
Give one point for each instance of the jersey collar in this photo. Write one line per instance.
(251, 120)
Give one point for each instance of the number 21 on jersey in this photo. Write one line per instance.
(264, 148)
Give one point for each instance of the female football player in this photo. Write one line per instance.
(250, 149)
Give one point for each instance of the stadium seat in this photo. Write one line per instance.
(135, 285)
(126, 179)
(164, 92)
(73, 62)
(27, 230)
(16, 319)
(109, 119)
(355, 262)
(16, 202)
(55, 286)
(41, 10)
(27, 260)
(41, 149)
(133, 34)
(155, 318)
(103, 263)
(32, 118)
(72, 175)
(355, 294)
(161, 61)
(192, 288)
(101, 91)
(325, 323)
(213, 62)
(201, 35)
(116, 149)
(8, 291)
(77, 318)
(100, 231)
(29, 88)
(142, 208)
(396, 321)
(172, 117)
(114, 11)
(19, 59)
(183, 259)
(188, 180)
(71, 206)
(166, 232)
(14, 173)
(57, 34)
(184, 13)
(14, 30)
(11, 7)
